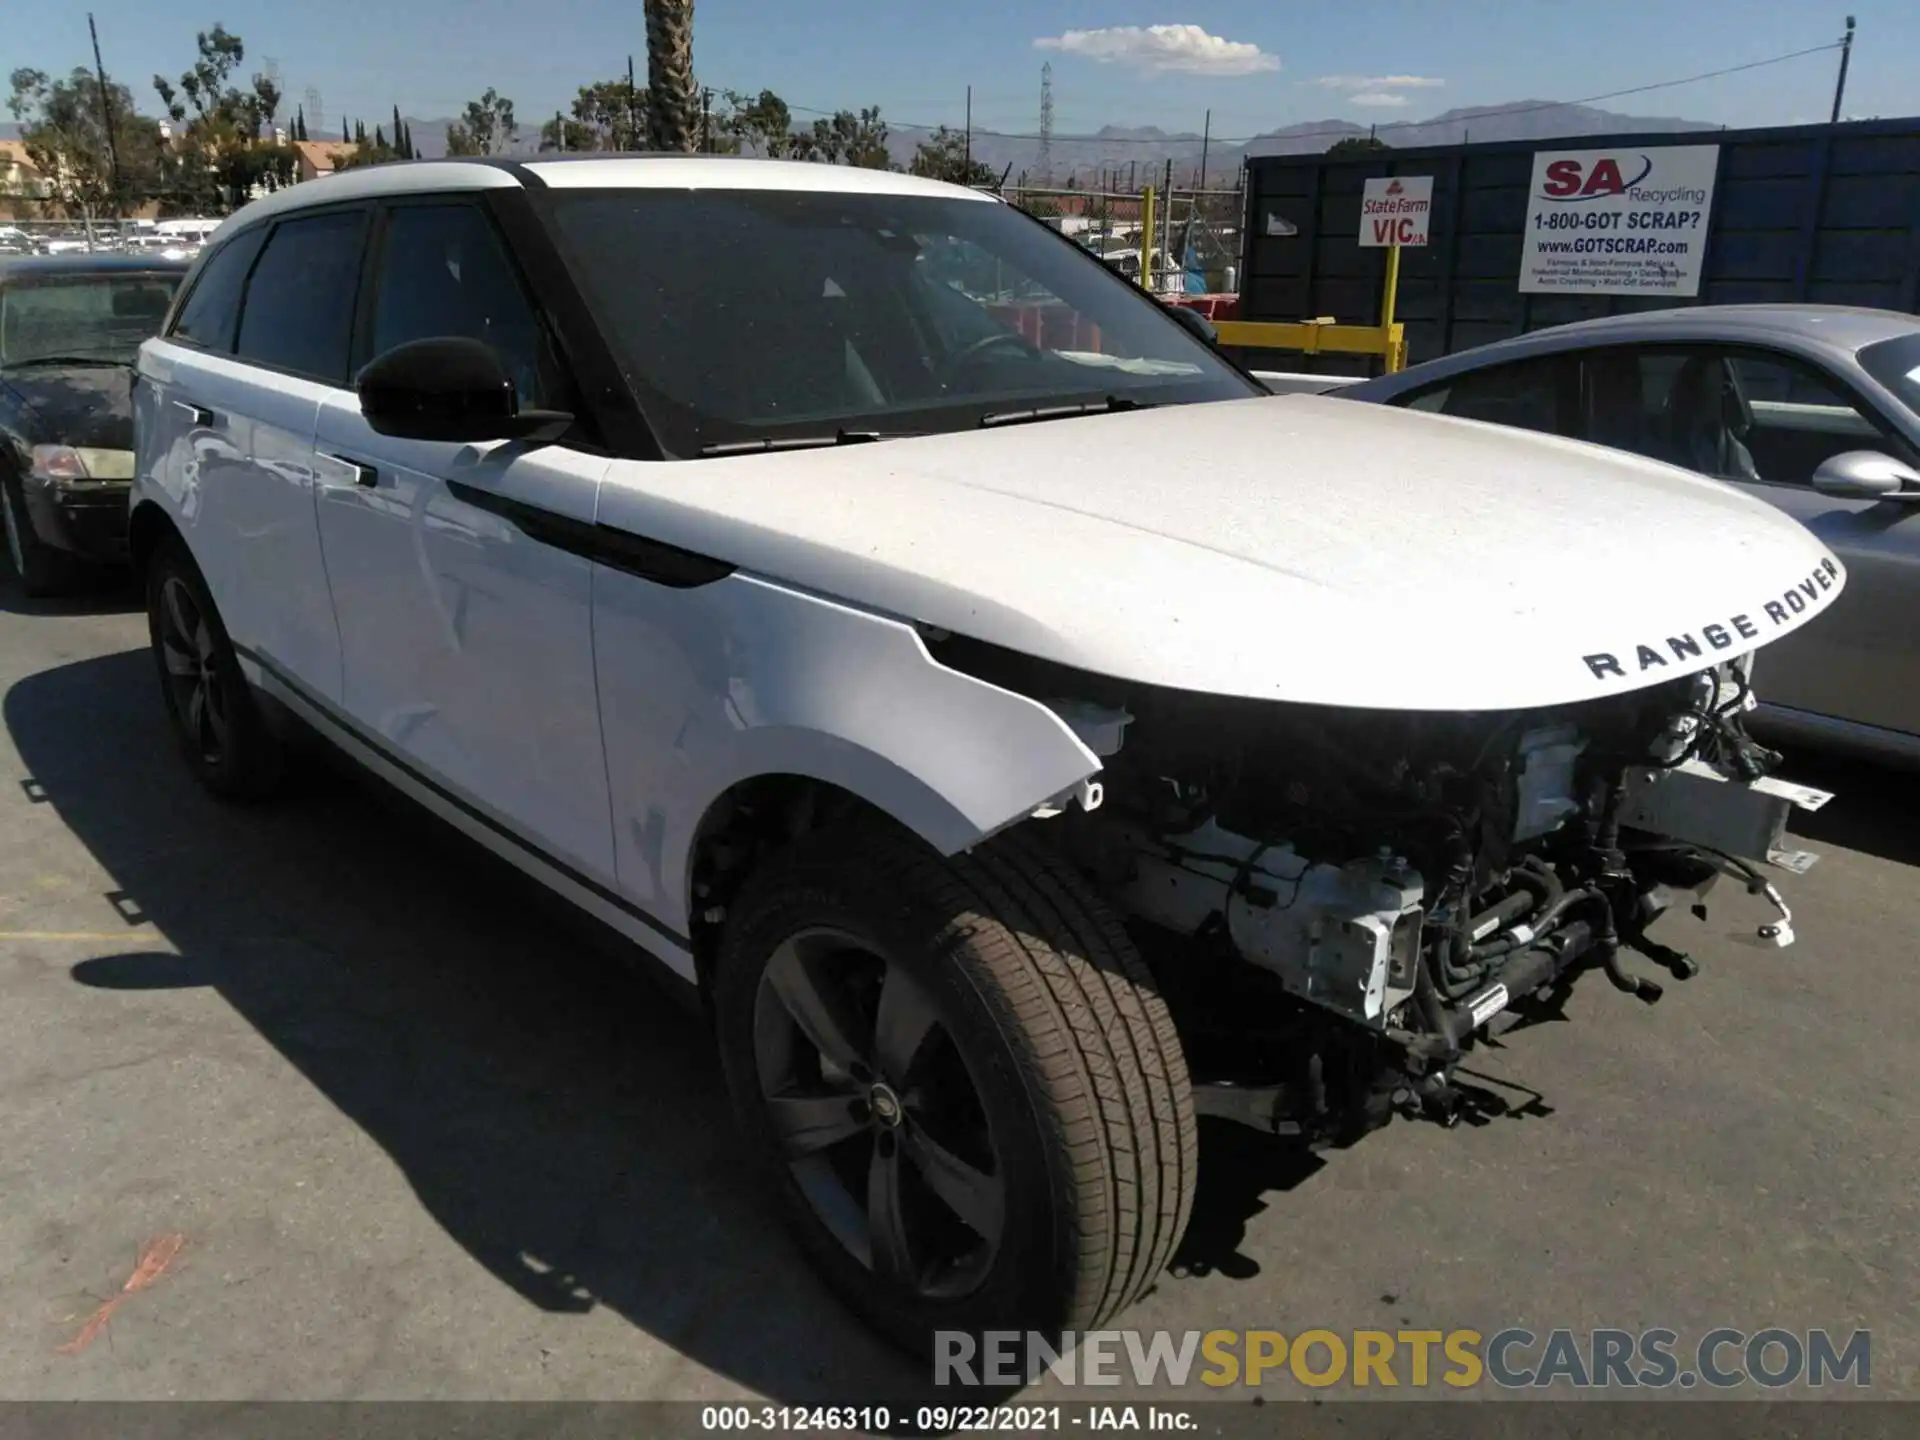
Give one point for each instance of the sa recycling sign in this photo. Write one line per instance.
(1395, 210)
(1618, 222)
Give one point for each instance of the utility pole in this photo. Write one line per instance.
(106, 113)
(559, 132)
(967, 169)
(1044, 161)
(1166, 223)
(1206, 135)
(633, 110)
(1846, 54)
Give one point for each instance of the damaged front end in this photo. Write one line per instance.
(1338, 902)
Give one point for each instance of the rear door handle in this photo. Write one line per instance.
(363, 473)
(200, 415)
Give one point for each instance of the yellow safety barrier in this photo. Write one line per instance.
(1388, 339)
(1318, 337)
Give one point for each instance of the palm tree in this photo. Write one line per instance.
(673, 109)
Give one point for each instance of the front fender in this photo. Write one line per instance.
(703, 688)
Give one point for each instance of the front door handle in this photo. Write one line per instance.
(363, 473)
(201, 416)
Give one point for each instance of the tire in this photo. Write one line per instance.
(211, 708)
(43, 570)
(1031, 992)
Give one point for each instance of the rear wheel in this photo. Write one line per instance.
(214, 715)
(961, 1082)
(42, 569)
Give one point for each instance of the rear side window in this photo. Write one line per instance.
(212, 311)
(298, 314)
(1530, 394)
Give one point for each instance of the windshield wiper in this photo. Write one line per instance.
(68, 360)
(1062, 412)
(792, 442)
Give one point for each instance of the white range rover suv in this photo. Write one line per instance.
(1022, 733)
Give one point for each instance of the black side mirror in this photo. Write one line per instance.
(448, 388)
(1201, 327)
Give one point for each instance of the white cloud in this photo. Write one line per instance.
(1376, 97)
(1378, 82)
(1154, 48)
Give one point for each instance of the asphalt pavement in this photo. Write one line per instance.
(423, 1134)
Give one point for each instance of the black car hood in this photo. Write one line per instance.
(89, 405)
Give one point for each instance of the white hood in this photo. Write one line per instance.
(1303, 549)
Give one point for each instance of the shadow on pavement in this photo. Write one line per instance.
(560, 1116)
(557, 1113)
(104, 592)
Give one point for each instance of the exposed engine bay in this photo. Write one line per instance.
(1338, 902)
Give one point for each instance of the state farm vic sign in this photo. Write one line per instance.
(1395, 210)
(1618, 222)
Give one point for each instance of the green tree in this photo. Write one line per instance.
(1358, 145)
(943, 156)
(758, 124)
(221, 158)
(848, 138)
(300, 122)
(64, 132)
(406, 142)
(607, 115)
(488, 128)
(377, 151)
(673, 116)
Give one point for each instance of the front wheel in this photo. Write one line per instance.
(960, 1081)
(211, 707)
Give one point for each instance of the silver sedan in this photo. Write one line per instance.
(1813, 408)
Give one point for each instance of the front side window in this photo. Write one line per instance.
(211, 314)
(444, 272)
(298, 314)
(1729, 412)
(82, 318)
(1896, 365)
(740, 314)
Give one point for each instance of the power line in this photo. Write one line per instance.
(1163, 141)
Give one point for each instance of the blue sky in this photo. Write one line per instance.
(1255, 63)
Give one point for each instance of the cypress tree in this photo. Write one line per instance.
(396, 133)
(407, 130)
(346, 135)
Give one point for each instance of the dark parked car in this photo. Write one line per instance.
(70, 327)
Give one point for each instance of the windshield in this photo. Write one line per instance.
(741, 314)
(82, 317)
(1896, 365)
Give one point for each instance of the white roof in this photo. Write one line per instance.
(612, 172)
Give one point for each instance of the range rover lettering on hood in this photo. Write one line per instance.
(1810, 593)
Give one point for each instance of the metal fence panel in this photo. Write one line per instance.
(1824, 213)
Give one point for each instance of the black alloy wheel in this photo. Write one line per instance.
(188, 654)
(877, 1114)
